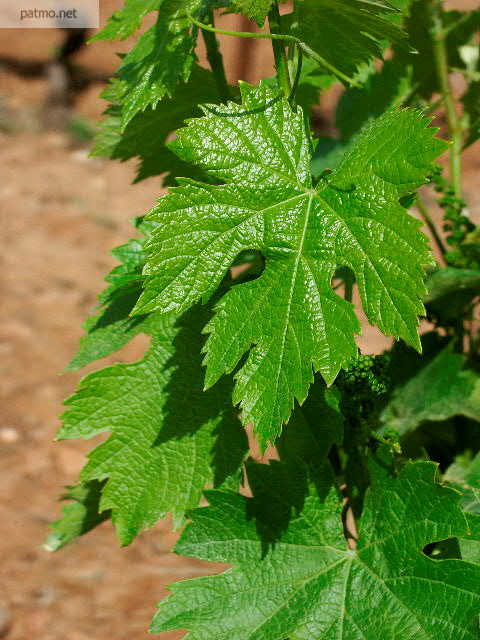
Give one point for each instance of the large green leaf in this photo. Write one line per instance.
(441, 389)
(469, 545)
(146, 134)
(294, 577)
(346, 33)
(290, 315)
(168, 437)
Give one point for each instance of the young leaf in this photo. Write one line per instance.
(168, 437)
(126, 21)
(294, 576)
(403, 8)
(79, 517)
(401, 5)
(262, 150)
(146, 134)
(442, 389)
(346, 33)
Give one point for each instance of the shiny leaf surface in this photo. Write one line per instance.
(146, 134)
(289, 318)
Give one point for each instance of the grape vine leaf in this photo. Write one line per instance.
(442, 283)
(346, 33)
(289, 318)
(146, 134)
(168, 437)
(294, 576)
(80, 516)
(441, 389)
(127, 20)
(111, 327)
(162, 58)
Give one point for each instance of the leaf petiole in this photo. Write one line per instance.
(276, 36)
(280, 55)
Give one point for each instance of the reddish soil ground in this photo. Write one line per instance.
(61, 214)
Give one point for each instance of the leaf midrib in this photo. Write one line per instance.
(299, 254)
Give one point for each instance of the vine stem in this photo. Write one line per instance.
(422, 209)
(276, 36)
(280, 55)
(215, 60)
(454, 125)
